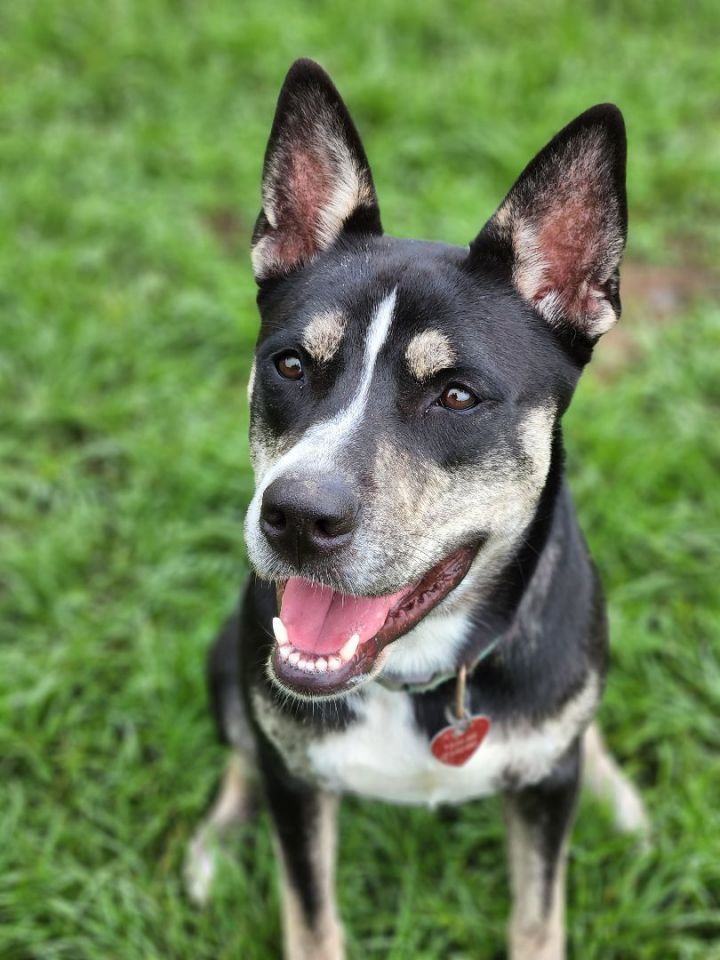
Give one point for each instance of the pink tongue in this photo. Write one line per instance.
(320, 621)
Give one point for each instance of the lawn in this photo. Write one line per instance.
(131, 139)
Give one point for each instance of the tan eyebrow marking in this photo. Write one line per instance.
(429, 352)
(323, 335)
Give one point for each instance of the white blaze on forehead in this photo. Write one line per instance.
(318, 445)
(427, 353)
(323, 335)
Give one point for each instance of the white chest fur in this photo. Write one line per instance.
(384, 755)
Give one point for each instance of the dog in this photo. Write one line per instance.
(424, 623)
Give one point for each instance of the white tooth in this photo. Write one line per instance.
(321, 665)
(280, 631)
(348, 651)
(294, 657)
(285, 651)
(310, 666)
(334, 663)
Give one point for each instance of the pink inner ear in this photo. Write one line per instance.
(573, 241)
(300, 193)
(568, 233)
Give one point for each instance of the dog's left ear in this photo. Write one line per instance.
(560, 232)
(317, 183)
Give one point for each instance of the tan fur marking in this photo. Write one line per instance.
(231, 808)
(251, 381)
(420, 500)
(323, 335)
(427, 353)
(323, 941)
(535, 434)
(606, 780)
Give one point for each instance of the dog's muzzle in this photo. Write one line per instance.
(327, 642)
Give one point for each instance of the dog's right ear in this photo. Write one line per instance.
(317, 183)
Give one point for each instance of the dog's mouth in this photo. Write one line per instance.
(327, 643)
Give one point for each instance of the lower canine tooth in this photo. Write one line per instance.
(348, 651)
(334, 663)
(285, 651)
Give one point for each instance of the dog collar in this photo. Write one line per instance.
(459, 740)
(423, 684)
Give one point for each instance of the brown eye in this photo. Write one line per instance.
(289, 365)
(457, 397)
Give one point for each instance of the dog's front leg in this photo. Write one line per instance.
(539, 820)
(305, 828)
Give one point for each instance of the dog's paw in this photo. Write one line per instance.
(630, 814)
(200, 866)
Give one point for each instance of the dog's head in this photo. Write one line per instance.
(405, 395)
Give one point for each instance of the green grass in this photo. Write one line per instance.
(131, 138)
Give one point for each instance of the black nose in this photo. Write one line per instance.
(304, 517)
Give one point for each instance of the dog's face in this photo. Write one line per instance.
(405, 395)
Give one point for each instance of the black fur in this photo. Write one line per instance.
(547, 811)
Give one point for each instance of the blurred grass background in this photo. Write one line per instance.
(131, 141)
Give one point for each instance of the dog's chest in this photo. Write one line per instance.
(384, 755)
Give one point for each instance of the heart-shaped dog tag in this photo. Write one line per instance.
(454, 745)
